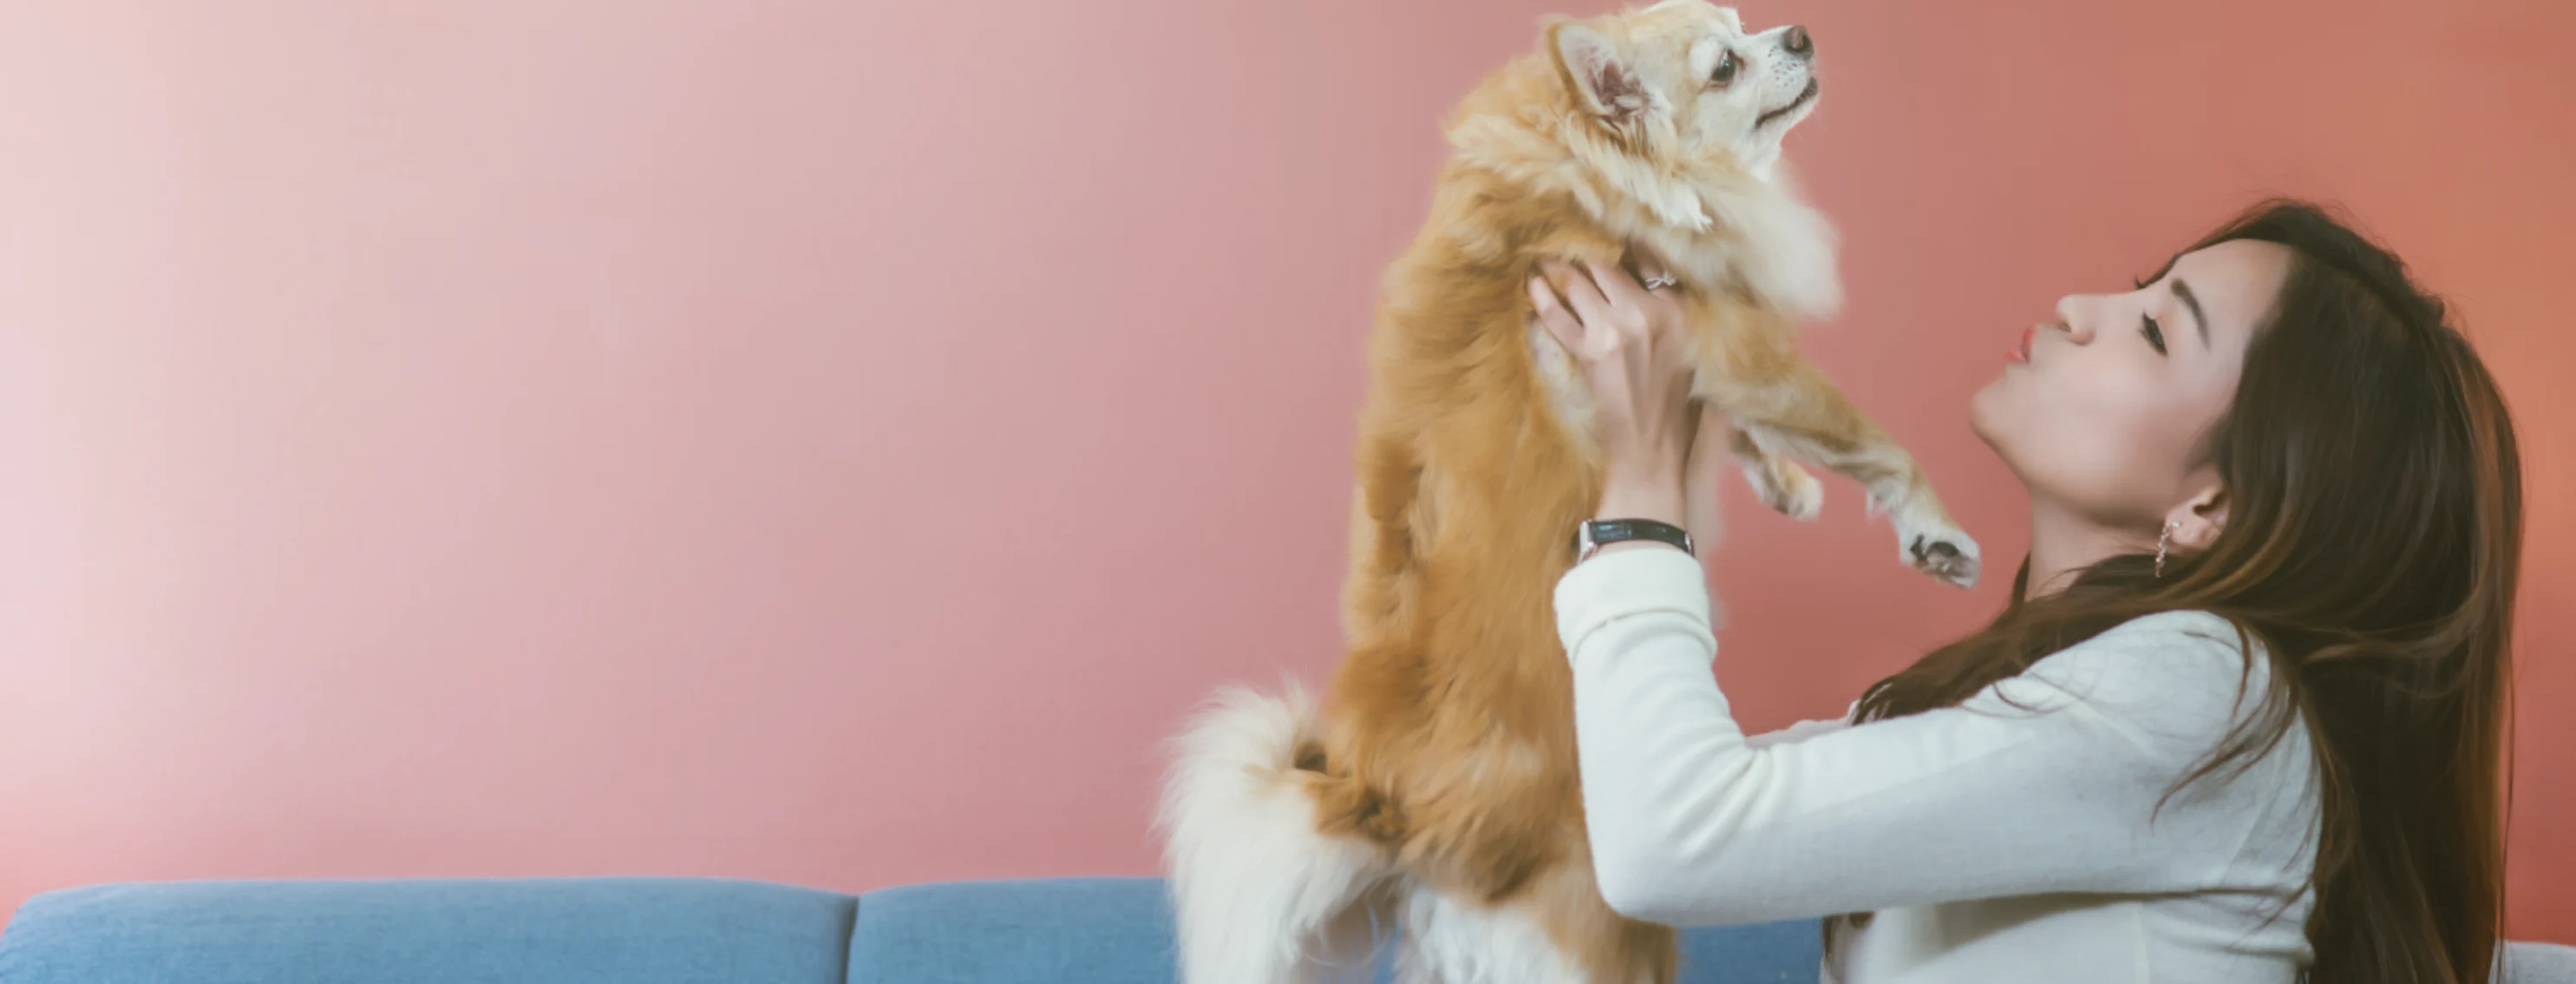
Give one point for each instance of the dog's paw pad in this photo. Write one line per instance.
(1948, 555)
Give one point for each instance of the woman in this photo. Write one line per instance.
(2241, 720)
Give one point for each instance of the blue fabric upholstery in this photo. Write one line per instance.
(661, 930)
(656, 930)
(2537, 963)
(1119, 931)
(566, 931)
(1064, 931)
(1767, 953)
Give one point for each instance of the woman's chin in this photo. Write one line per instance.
(1982, 412)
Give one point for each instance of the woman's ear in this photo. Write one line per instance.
(2197, 522)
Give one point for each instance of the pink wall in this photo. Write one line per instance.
(775, 440)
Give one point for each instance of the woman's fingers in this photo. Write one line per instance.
(1600, 308)
(1584, 295)
(1636, 314)
(1552, 313)
(1652, 316)
(1581, 316)
(1617, 287)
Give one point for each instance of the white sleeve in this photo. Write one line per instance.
(1802, 730)
(2053, 791)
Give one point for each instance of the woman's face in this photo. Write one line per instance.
(2102, 412)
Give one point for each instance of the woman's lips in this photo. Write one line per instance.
(2021, 353)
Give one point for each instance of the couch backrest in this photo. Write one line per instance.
(1059, 931)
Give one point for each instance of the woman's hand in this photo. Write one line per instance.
(1628, 342)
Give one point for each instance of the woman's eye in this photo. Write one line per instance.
(2155, 333)
(1725, 69)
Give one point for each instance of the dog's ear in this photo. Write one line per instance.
(1602, 82)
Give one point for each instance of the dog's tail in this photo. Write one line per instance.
(1261, 897)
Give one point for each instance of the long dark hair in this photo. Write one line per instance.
(2372, 545)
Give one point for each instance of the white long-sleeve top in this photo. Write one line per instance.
(1994, 842)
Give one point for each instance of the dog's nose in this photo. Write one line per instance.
(1798, 43)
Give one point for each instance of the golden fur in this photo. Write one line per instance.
(1447, 738)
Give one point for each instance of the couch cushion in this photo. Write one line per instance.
(2536, 963)
(1119, 931)
(1790, 952)
(1057, 931)
(558, 931)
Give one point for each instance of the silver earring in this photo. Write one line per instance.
(2164, 542)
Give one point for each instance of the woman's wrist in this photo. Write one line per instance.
(1654, 494)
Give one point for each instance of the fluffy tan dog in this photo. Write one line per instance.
(1436, 792)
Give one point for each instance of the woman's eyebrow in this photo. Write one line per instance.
(2199, 319)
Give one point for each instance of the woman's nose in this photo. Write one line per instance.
(2071, 316)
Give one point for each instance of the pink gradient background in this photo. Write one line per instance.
(834, 442)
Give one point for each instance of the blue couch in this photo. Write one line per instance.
(660, 931)
(667, 930)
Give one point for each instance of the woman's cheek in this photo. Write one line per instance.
(2154, 434)
(2085, 449)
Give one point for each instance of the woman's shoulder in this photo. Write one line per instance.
(2177, 674)
(2184, 641)
(2186, 623)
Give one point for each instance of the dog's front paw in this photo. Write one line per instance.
(1786, 487)
(1940, 550)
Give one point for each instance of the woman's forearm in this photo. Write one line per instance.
(1710, 463)
(1677, 490)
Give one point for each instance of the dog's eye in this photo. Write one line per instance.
(1725, 69)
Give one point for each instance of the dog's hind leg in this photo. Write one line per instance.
(1560, 932)
(1447, 940)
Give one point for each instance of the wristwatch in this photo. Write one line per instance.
(1595, 534)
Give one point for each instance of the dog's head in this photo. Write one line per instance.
(1682, 80)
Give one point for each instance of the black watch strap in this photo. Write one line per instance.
(1598, 533)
